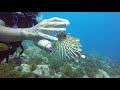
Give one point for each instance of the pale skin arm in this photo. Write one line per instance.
(10, 34)
(37, 33)
(18, 34)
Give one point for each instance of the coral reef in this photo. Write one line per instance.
(102, 74)
(42, 71)
(25, 68)
(9, 71)
(40, 64)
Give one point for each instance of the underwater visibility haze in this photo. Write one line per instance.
(99, 35)
(98, 31)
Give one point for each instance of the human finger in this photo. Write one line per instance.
(52, 30)
(47, 37)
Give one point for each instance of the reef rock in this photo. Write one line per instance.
(57, 75)
(102, 74)
(25, 57)
(41, 70)
(45, 60)
(25, 68)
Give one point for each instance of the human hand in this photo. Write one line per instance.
(48, 26)
(52, 26)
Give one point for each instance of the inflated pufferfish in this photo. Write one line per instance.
(67, 48)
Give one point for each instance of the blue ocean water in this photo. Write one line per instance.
(98, 31)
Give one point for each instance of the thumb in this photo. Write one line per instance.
(47, 37)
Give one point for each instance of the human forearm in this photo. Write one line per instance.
(13, 34)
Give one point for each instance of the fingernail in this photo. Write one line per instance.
(67, 22)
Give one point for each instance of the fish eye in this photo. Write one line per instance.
(64, 35)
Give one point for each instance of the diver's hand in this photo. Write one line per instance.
(45, 27)
(48, 26)
(43, 44)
